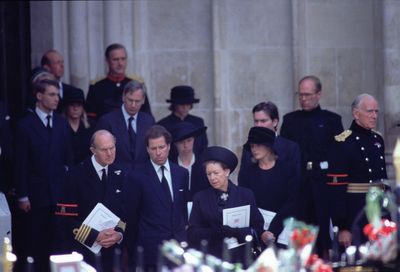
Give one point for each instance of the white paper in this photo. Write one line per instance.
(100, 218)
(238, 217)
(283, 237)
(189, 208)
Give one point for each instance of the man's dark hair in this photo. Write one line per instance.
(112, 47)
(269, 108)
(41, 85)
(157, 131)
(133, 86)
(316, 80)
(45, 58)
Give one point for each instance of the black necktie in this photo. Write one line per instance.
(164, 184)
(132, 136)
(48, 117)
(104, 180)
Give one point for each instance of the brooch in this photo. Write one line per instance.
(224, 196)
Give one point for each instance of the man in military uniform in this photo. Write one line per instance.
(105, 95)
(313, 129)
(356, 162)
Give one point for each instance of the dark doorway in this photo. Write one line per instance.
(15, 55)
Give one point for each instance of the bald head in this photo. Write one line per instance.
(102, 146)
(53, 62)
(365, 111)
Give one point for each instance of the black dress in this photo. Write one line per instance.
(81, 143)
(205, 222)
(275, 190)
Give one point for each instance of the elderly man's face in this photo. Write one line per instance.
(103, 149)
(56, 64)
(117, 61)
(366, 114)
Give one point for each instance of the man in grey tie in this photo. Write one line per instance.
(129, 125)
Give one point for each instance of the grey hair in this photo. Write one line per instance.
(360, 98)
(98, 133)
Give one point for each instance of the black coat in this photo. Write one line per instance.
(43, 159)
(115, 123)
(200, 142)
(151, 217)
(5, 150)
(85, 189)
(357, 158)
(81, 143)
(205, 222)
(275, 190)
(106, 95)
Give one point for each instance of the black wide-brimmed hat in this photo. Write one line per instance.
(184, 130)
(73, 96)
(182, 95)
(260, 135)
(221, 154)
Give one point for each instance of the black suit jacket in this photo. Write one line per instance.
(42, 159)
(115, 123)
(84, 189)
(151, 217)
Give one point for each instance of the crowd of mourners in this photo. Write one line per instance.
(162, 179)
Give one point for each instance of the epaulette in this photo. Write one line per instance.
(97, 80)
(137, 78)
(342, 136)
(377, 132)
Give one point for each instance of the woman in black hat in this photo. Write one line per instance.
(81, 131)
(274, 187)
(206, 218)
(182, 99)
(183, 137)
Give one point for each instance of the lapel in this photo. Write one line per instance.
(39, 127)
(122, 129)
(175, 185)
(155, 183)
(93, 180)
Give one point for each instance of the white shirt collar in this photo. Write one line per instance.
(127, 115)
(157, 167)
(98, 167)
(43, 116)
(192, 161)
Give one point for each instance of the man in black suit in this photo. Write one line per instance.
(105, 94)
(313, 129)
(53, 62)
(129, 125)
(96, 180)
(43, 154)
(155, 197)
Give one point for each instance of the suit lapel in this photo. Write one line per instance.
(122, 129)
(94, 181)
(155, 182)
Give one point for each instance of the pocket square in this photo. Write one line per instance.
(180, 190)
(117, 172)
(118, 191)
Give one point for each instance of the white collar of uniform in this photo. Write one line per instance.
(157, 167)
(192, 161)
(42, 115)
(126, 114)
(98, 167)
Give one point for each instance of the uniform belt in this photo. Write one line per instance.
(316, 165)
(362, 188)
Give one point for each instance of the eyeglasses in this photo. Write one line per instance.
(305, 95)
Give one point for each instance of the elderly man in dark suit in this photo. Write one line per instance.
(155, 198)
(129, 125)
(53, 62)
(43, 153)
(96, 180)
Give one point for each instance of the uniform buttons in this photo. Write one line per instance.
(381, 157)
(357, 138)
(370, 170)
(366, 159)
(362, 148)
(370, 181)
(382, 168)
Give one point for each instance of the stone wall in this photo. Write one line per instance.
(235, 53)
